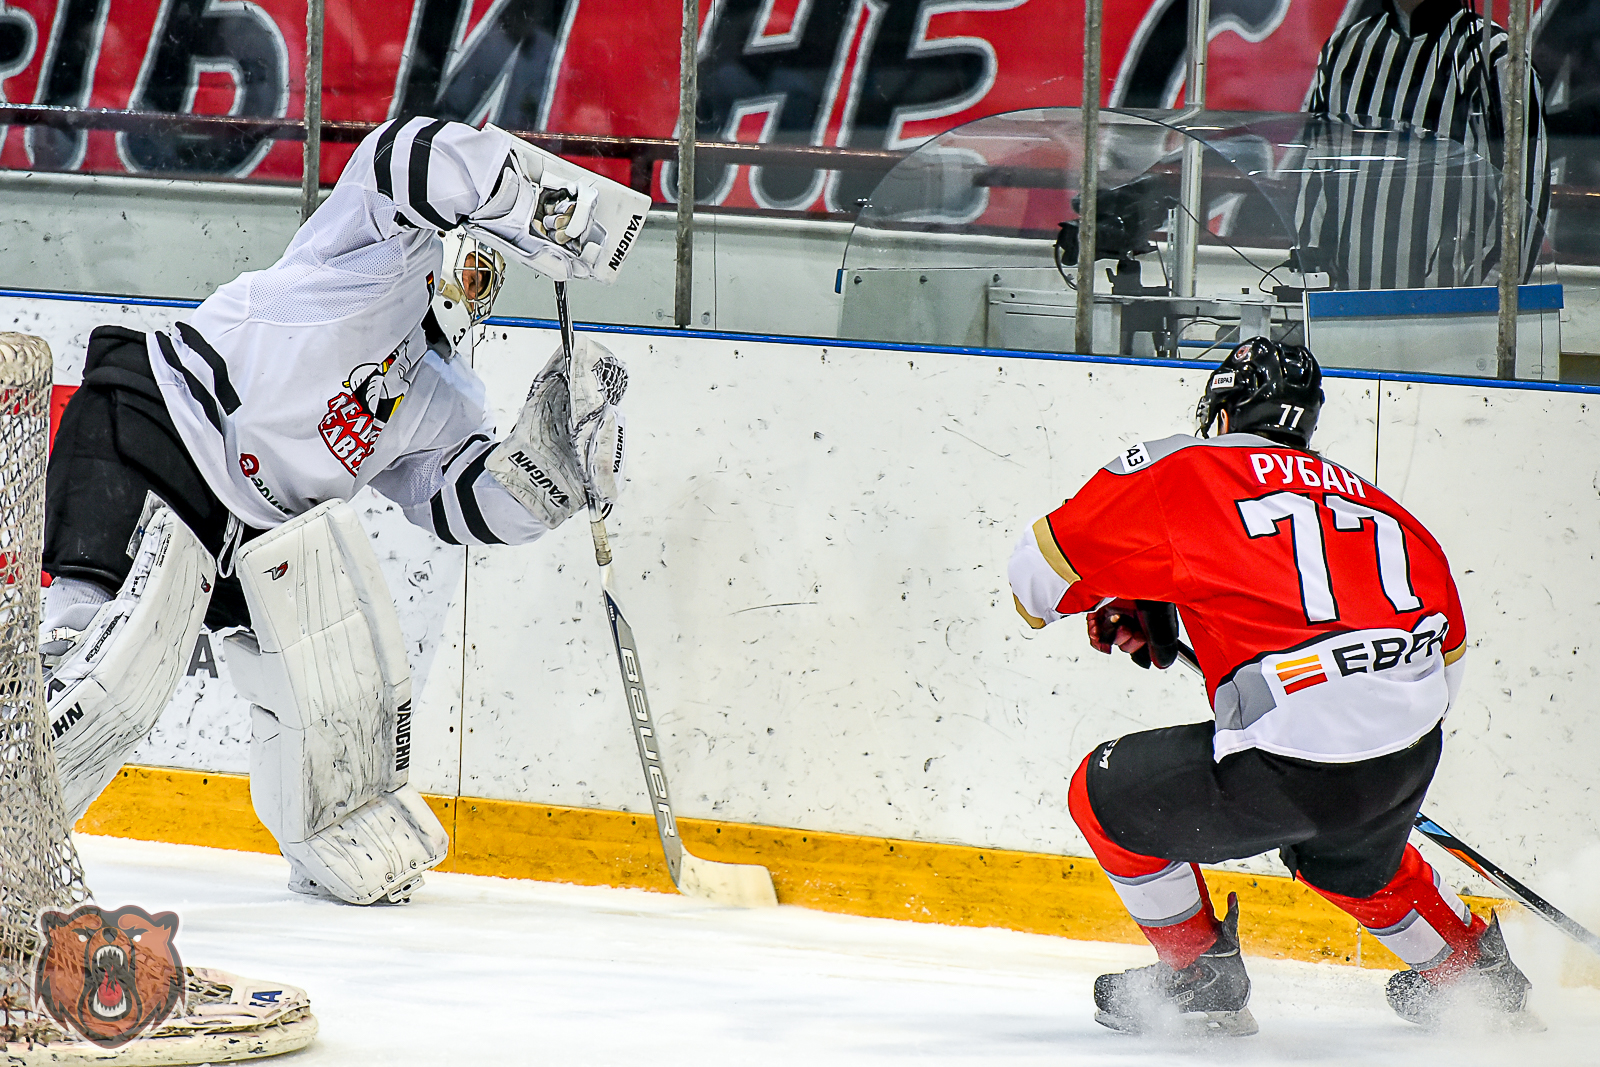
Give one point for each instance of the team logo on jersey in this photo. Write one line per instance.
(1303, 673)
(369, 398)
(248, 464)
(108, 976)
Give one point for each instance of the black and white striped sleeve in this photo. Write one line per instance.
(448, 493)
(435, 172)
(1388, 212)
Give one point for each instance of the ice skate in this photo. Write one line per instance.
(1492, 981)
(1208, 996)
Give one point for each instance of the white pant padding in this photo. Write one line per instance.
(64, 595)
(105, 696)
(330, 742)
(1165, 898)
(1415, 940)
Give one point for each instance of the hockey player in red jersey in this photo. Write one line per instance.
(1329, 629)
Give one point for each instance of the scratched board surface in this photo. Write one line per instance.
(811, 550)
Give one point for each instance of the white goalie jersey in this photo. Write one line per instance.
(308, 380)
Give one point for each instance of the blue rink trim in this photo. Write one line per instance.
(883, 346)
(1391, 303)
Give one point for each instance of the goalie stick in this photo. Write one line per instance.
(740, 884)
(1472, 858)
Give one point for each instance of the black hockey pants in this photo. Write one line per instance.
(117, 442)
(1343, 826)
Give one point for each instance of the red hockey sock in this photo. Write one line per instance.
(1168, 900)
(1418, 918)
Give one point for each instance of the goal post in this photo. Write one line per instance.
(219, 1017)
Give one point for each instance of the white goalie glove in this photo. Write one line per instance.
(569, 441)
(563, 221)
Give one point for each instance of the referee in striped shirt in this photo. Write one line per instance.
(1415, 212)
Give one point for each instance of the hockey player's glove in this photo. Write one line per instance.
(542, 214)
(1145, 629)
(568, 442)
(599, 380)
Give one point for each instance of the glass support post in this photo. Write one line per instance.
(311, 156)
(1088, 194)
(1186, 231)
(683, 288)
(1513, 205)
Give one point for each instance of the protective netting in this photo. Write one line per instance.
(39, 866)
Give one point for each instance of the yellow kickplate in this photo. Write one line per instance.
(881, 877)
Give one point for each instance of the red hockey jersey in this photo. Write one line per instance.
(1323, 613)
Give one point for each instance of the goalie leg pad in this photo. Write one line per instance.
(106, 694)
(331, 728)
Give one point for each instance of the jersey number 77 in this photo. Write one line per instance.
(1261, 517)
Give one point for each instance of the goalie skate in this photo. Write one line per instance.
(1207, 997)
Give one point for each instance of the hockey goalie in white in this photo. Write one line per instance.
(200, 475)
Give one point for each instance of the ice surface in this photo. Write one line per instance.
(484, 971)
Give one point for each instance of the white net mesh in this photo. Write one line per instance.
(39, 866)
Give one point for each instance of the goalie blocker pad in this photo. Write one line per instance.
(330, 744)
(105, 696)
(619, 210)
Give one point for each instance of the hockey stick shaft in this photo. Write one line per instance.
(644, 727)
(1491, 872)
(740, 884)
(597, 522)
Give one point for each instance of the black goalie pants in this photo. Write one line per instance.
(115, 444)
(1342, 826)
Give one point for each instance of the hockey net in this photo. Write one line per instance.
(223, 1017)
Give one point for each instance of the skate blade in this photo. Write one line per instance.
(1189, 1025)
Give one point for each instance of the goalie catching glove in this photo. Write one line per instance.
(563, 221)
(1145, 629)
(568, 443)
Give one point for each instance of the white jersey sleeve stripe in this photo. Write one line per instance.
(467, 500)
(1036, 585)
(383, 159)
(472, 508)
(208, 403)
(219, 367)
(417, 191)
(441, 521)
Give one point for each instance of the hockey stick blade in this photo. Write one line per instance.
(1472, 858)
(745, 885)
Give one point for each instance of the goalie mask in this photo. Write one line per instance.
(1267, 388)
(470, 281)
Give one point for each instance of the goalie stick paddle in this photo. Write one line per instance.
(1472, 858)
(739, 884)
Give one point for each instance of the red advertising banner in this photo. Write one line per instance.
(858, 73)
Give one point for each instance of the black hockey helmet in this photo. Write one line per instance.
(1267, 388)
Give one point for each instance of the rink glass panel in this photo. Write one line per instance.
(959, 243)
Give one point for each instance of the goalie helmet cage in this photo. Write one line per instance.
(39, 867)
